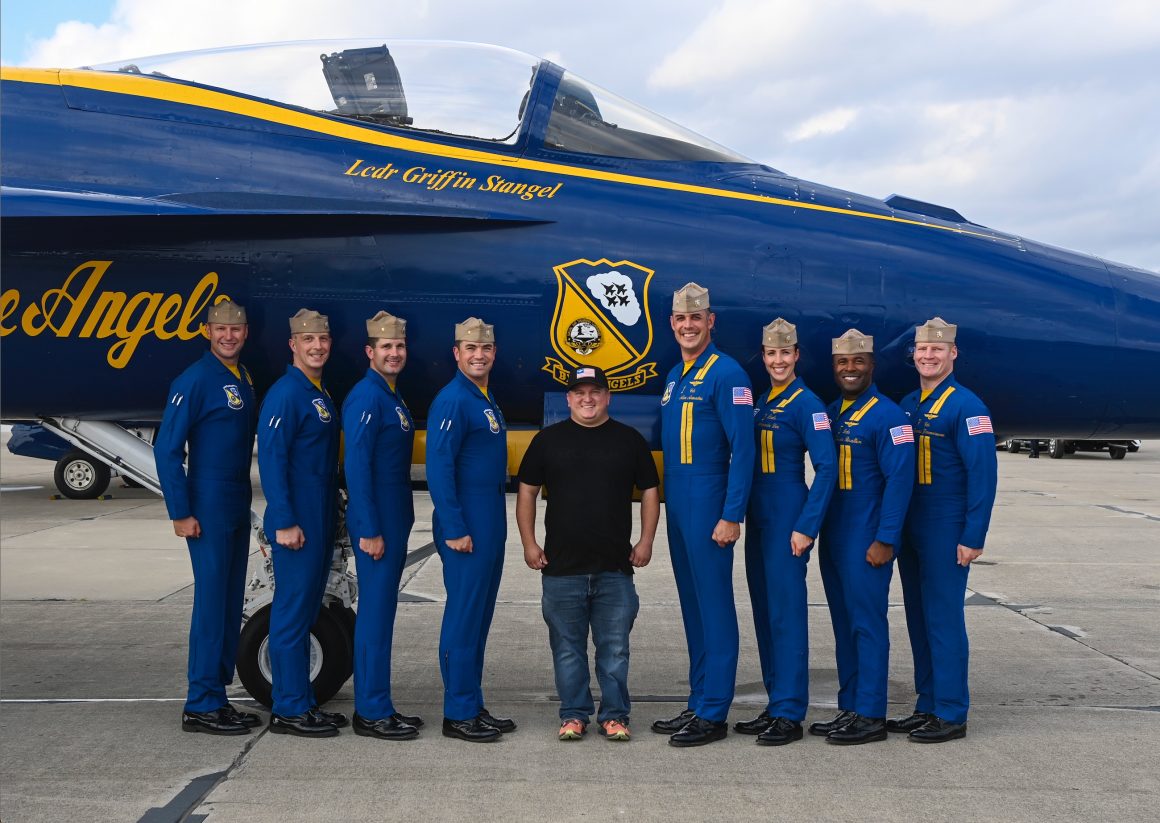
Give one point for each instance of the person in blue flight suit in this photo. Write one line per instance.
(379, 435)
(860, 535)
(785, 516)
(945, 530)
(467, 476)
(212, 408)
(298, 438)
(707, 442)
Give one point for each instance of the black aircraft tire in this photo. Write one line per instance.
(331, 635)
(1013, 447)
(1056, 449)
(1117, 452)
(80, 476)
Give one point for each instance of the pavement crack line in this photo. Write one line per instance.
(197, 791)
(1021, 610)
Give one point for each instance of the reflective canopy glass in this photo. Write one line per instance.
(463, 89)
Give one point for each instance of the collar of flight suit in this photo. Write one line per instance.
(699, 363)
(385, 386)
(938, 394)
(305, 381)
(486, 398)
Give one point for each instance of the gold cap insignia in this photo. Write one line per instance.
(852, 342)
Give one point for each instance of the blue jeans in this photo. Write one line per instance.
(608, 603)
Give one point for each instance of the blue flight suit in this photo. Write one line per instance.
(786, 427)
(214, 411)
(379, 436)
(957, 474)
(298, 436)
(707, 442)
(875, 449)
(467, 476)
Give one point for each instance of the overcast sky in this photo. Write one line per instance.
(1037, 117)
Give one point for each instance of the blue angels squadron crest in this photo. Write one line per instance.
(602, 319)
(233, 397)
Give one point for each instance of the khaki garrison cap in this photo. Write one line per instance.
(474, 330)
(853, 342)
(307, 321)
(226, 311)
(779, 334)
(385, 324)
(935, 330)
(690, 297)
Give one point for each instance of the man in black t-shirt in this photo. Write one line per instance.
(590, 464)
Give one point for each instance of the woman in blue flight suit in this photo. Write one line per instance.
(785, 516)
(467, 476)
(298, 436)
(945, 530)
(861, 533)
(380, 434)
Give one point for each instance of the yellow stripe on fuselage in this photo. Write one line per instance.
(167, 91)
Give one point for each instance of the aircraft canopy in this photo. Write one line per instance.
(467, 90)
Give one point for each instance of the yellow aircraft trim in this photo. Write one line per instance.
(159, 89)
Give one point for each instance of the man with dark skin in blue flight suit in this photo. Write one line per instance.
(861, 530)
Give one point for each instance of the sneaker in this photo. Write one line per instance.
(615, 730)
(572, 729)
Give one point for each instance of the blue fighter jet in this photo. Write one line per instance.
(442, 180)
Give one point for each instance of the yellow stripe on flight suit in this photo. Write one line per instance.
(687, 432)
(925, 463)
(687, 415)
(938, 404)
(846, 454)
(768, 464)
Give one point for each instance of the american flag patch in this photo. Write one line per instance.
(979, 425)
(587, 372)
(821, 422)
(902, 434)
(742, 396)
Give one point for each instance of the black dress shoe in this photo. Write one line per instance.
(502, 725)
(473, 730)
(673, 724)
(781, 731)
(698, 732)
(821, 729)
(409, 719)
(389, 728)
(859, 730)
(215, 722)
(336, 719)
(905, 725)
(755, 726)
(247, 719)
(937, 730)
(307, 724)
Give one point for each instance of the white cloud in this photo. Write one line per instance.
(829, 122)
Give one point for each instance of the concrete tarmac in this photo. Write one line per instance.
(1063, 613)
